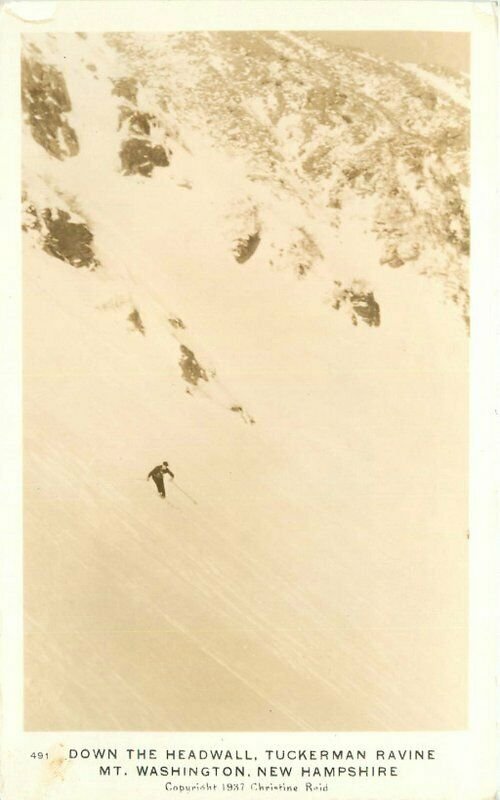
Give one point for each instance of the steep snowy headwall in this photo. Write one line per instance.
(274, 236)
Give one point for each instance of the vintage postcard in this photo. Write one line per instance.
(248, 493)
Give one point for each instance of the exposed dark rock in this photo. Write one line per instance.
(361, 302)
(160, 158)
(139, 157)
(45, 102)
(69, 241)
(126, 88)
(125, 113)
(366, 307)
(325, 100)
(318, 163)
(192, 371)
(351, 173)
(31, 220)
(140, 123)
(244, 414)
(135, 318)
(176, 322)
(392, 259)
(245, 247)
(335, 202)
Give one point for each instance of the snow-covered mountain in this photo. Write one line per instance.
(246, 253)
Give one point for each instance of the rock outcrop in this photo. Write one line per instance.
(68, 240)
(61, 234)
(245, 247)
(46, 102)
(192, 371)
(359, 300)
(135, 318)
(126, 88)
(140, 157)
(140, 153)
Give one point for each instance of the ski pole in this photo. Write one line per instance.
(183, 492)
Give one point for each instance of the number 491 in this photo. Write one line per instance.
(39, 755)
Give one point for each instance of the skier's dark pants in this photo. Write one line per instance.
(160, 484)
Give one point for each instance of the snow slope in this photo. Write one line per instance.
(318, 581)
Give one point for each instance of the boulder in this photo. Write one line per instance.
(67, 240)
(140, 157)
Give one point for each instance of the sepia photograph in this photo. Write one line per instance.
(248, 488)
(245, 299)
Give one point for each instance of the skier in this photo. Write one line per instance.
(157, 474)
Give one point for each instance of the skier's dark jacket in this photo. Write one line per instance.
(159, 471)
